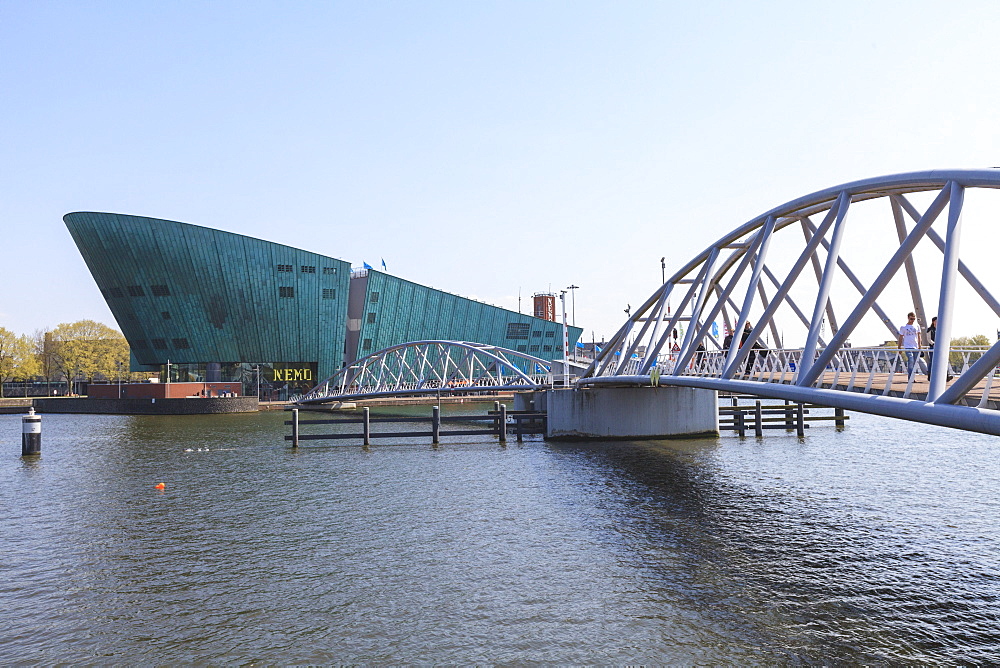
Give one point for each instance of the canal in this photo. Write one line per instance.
(880, 543)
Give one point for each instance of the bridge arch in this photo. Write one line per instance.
(431, 367)
(737, 280)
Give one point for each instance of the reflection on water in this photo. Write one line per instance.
(879, 543)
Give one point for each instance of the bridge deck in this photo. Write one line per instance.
(918, 390)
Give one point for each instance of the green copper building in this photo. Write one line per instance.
(203, 304)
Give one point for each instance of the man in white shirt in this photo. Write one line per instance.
(909, 342)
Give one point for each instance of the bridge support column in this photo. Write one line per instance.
(632, 413)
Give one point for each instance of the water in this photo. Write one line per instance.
(877, 544)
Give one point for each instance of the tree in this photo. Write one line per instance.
(977, 342)
(16, 360)
(88, 349)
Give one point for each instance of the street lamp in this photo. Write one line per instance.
(663, 269)
(573, 293)
(573, 289)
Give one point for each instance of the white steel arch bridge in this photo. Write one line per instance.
(800, 281)
(433, 367)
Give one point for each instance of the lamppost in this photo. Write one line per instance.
(562, 296)
(573, 294)
(663, 269)
(573, 289)
(118, 363)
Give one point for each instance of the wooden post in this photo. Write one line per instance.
(741, 426)
(788, 415)
(295, 427)
(838, 415)
(800, 423)
(758, 429)
(503, 423)
(436, 425)
(496, 406)
(519, 429)
(367, 425)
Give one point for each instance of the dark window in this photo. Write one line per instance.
(329, 293)
(181, 344)
(534, 349)
(518, 330)
(113, 292)
(160, 290)
(136, 291)
(160, 344)
(373, 298)
(536, 335)
(165, 314)
(547, 349)
(329, 270)
(284, 268)
(550, 335)
(308, 269)
(522, 348)
(367, 345)
(371, 317)
(286, 291)
(141, 344)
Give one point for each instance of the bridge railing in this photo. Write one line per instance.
(870, 370)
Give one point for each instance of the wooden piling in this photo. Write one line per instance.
(758, 429)
(800, 425)
(436, 425)
(367, 426)
(503, 423)
(295, 427)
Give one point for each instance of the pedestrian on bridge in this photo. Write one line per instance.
(909, 342)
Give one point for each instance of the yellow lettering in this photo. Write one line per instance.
(307, 374)
(277, 374)
(298, 374)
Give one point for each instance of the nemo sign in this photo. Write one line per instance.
(292, 374)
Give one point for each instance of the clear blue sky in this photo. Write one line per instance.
(482, 148)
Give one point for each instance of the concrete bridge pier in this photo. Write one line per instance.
(631, 413)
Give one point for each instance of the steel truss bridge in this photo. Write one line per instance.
(433, 367)
(781, 274)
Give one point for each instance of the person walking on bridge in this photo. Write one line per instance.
(909, 342)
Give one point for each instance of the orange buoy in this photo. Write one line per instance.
(160, 486)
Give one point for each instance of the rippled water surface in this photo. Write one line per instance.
(876, 544)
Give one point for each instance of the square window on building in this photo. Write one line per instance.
(550, 335)
(160, 290)
(181, 344)
(136, 291)
(536, 335)
(518, 330)
(533, 349)
(367, 344)
(329, 270)
(160, 344)
(522, 349)
(547, 349)
(329, 293)
(371, 317)
(308, 269)
(373, 298)
(165, 314)
(286, 291)
(284, 268)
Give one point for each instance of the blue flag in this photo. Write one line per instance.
(367, 266)
(383, 264)
(715, 329)
(580, 345)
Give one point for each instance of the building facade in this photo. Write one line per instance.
(203, 305)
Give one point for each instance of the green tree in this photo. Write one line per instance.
(16, 359)
(977, 342)
(88, 350)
